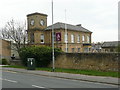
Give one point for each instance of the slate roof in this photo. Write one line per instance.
(60, 25)
(111, 44)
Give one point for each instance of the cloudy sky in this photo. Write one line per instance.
(98, 16)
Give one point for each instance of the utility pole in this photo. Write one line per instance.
(53, 56)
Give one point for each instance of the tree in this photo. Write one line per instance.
(16, 33)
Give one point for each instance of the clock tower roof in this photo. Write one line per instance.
(36, 13)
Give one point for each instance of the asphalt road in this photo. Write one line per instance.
(24, 80)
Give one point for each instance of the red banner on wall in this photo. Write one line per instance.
(58, 36)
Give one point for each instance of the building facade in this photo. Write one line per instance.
(110, 46)
(69, 38)
(5, 49)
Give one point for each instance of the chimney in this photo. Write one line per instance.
(79, 25)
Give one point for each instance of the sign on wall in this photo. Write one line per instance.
(58, 36)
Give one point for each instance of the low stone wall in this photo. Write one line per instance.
(16, 61)
(84, 61)
(88, 61)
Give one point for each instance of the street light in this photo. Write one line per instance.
(53, 56)
(66, 35)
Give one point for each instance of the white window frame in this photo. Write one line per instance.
(66, 38)
(83, 38)
(88, 39)
(72, 38)
(42, 38)
(78, 39)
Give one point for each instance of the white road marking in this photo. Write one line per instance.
(3, 65)
(10, 71)
(37, 86)
(8, 80)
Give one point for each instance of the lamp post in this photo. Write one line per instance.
(66, 35)
(53, 56)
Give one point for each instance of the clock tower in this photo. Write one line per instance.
(36, 23)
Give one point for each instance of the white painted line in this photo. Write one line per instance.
(4, 65)
(10, 80)
(10, 71)
(37, 86)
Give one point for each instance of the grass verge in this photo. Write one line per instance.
(75, 71)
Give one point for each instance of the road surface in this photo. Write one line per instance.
(23, 80)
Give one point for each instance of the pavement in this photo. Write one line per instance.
(99, 79)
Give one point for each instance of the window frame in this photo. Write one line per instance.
(83, 38)
(88, 39)
(66, 38)
(42, 38)
(72, 38)
(78, 38)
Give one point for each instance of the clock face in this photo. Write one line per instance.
(42, 22)
(32, 22)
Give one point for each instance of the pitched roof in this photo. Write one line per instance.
(60, 25)
(111, 44)
(36, 13)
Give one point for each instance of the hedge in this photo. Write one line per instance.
(4, 61)
(42, 55)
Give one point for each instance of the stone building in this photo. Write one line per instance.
(77, 39)
(110, 46)
(5, 49)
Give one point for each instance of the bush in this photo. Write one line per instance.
(42, 55)
(118, 48)
(4, 61)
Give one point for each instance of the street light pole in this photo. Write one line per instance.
(66, 35)
(53, 57)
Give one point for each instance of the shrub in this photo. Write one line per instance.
(42, 55)
(0, 61)
(118, 48)
(4, 61)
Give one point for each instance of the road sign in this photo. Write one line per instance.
(58, 36)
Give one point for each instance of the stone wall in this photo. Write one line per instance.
(88, 61)
(16, 61)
